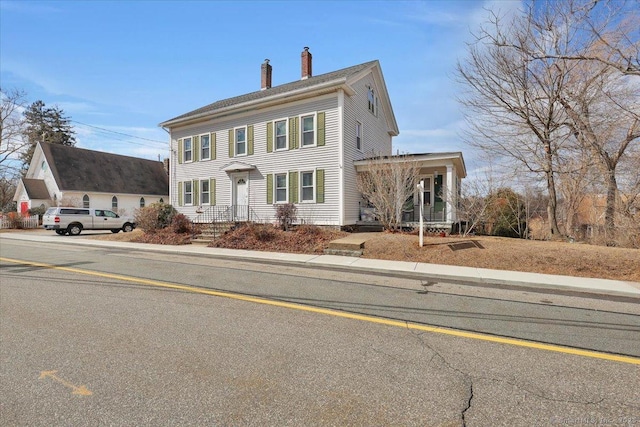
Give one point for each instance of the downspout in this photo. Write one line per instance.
(341, 157)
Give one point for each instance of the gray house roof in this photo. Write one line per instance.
(309, 83)
(36, 189)
(78, 169)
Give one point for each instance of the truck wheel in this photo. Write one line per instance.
(74, 229)
(115, 230)
(127, 227)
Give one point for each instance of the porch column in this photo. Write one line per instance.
(450, 193)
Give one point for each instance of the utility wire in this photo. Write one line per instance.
(121, 133)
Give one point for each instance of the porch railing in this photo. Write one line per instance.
(430, 214)
(233, 213)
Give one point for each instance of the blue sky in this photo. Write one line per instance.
(119, 68)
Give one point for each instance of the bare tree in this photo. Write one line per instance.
(512, 99)
(11, 131)
(604, 116)
(387, 184)
(603, 31)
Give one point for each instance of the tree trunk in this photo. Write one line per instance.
(552, 205)
(609, 213)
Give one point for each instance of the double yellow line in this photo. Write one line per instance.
(364, 318)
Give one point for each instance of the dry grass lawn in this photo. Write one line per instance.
(572, 259)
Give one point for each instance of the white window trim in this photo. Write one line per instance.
(235, 142)
(208, 135)
(313, 186)
(358, 122)
(184, 192)
(315, 130)
(201, 181)
(286, 134)
(275, 188)
(372, 105)
(184, 149)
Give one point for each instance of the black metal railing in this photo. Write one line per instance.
(233, 213)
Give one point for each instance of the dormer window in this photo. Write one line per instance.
(372, 101)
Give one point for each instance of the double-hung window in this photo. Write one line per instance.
(204, 191)
(281, 134)
(281, 188)
(359, 136)
(205, 147)
(114, 203)
(188, 193)
(307, 186)
(241, 141)
(188, 150)
(308, 130)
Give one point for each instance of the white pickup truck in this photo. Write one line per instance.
(69, 220)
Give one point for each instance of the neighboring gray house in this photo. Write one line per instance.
(62, 174)
(299, 142)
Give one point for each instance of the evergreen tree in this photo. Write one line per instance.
(45, 124)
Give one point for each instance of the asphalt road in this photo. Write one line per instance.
(179, 340)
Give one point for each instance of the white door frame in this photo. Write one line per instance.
(239, 215)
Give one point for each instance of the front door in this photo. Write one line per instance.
(241, 197)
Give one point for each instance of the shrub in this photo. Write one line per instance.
(40, 210)
(180, 224)
(155, 217)
(309, 230)
(14, 220)
(286, 214)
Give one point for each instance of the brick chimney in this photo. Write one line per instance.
(306, 63)
(265, 71)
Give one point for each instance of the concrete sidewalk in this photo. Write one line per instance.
(417, 270)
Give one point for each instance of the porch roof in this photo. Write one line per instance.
(425, 160)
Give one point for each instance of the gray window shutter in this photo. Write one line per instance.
(196, 148)
(180, 150)
(195, 189)
(180, 198)
(231, 142)
(212, 191)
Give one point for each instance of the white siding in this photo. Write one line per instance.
(375, 141)
(301, 159)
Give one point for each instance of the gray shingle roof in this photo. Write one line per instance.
(78, 169)
(36, 189)
(276, 90)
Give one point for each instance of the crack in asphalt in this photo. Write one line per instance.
(466, 378)
(469, 380)
(464, 411)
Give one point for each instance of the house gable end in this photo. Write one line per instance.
(383, 95)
